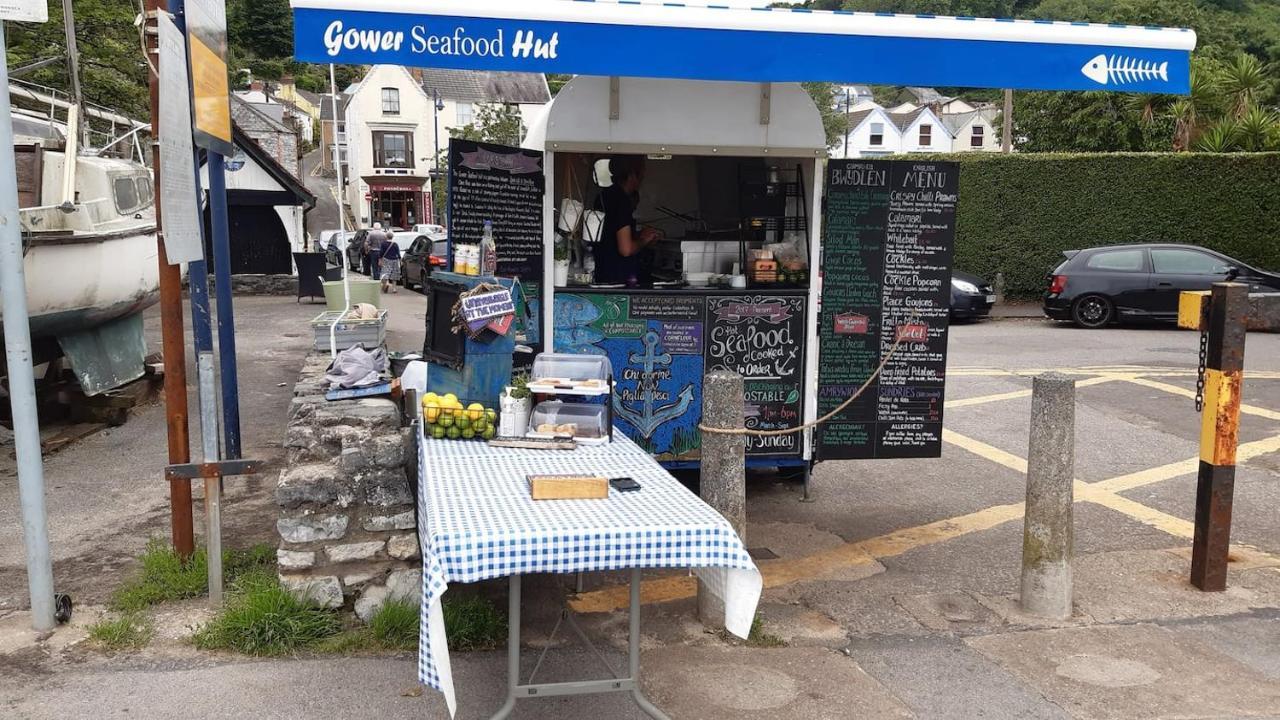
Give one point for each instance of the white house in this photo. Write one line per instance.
(974, 131)
(388, 138)
(872, 133)
(876, 132)
(922, 131)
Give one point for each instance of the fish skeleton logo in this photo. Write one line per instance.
(1121, 70)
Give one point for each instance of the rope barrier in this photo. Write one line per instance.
(839, 409)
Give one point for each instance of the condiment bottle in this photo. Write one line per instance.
(488, 251)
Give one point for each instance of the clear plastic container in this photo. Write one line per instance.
(587, 423)
(570, 374)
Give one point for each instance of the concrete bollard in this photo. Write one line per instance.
(723, 475)
(1047, 528)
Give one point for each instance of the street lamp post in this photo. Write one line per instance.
(436, 106)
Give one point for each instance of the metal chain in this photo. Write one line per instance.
(1204, 359)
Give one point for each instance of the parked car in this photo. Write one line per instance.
(1095, 287)
(436, 231)
(357, 258)
(971, 296)
(331, 244)
(422, 254)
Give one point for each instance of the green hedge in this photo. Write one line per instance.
(1019, 212)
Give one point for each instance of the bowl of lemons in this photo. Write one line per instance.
(445, 417)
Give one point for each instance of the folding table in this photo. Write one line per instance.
(477, 521)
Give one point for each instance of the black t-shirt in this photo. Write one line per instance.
(619, 212)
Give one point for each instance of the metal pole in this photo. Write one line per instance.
(435, 160)
(846, 122)
(73, 68)
(342, 220)
(1219, 434)
(226, 315)
(1007, 124)
(172, 340)
(212, 485)
(22, 381)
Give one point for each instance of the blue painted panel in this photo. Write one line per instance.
(468, 43)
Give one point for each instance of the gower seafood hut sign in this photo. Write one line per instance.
(783, 44)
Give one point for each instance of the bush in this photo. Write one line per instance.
(1019, 212)
(395, 625)
(166, 577)
(261, 617)
(129, 631)
(473, 623)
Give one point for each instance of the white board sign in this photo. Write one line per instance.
(179, 204)
(24, 10)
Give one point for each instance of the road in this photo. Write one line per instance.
(895, 592)
(324, 216)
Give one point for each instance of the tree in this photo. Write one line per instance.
(1245, 80)
(1084, 122)
(499, 124)
(834, 123)
(263, 28)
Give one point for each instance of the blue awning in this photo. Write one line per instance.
(713, 42)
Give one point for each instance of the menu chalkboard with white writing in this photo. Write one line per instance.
(762, 339)
(890, 232)
(503, 185)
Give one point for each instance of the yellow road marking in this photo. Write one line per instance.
(785, 571)
(1175, 390)
(1016, 394)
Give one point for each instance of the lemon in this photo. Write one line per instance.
(431, 410)
(446, 420)
(468, 433)
(438, 432)
(488, 433)
(453, 433)
(491, 416)
(475, 410)
(450, 400)
(430, 397)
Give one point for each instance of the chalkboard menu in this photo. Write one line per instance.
(762, 339)
(504, 185)
(890, 232)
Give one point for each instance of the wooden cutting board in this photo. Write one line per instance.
(568, 487)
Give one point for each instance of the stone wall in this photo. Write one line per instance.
(347, 525)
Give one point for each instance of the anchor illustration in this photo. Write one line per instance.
(648, 419)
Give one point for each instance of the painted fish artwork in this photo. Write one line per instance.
(1122, 70)
(574, 325)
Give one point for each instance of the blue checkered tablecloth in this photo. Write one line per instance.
(477, 521)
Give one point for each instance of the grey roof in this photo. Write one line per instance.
(252, 119)
(487, 87)
(326, 105)
(955, 122)
(313, 98)
(904, 120)
(856, 118)
(927, 95)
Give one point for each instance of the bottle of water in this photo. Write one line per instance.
(488, 251)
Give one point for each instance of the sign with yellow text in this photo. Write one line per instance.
(207, 31)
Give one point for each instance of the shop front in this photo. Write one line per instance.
(402, 203)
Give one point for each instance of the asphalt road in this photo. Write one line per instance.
(904, 605)
(324, 216)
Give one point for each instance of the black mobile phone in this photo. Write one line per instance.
(624, 484)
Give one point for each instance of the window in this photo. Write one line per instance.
(926, 135)
(979, 136)
(390, 101)
(1119, 260)
(466, 114)
(126, 193)
(143, 183)
(392, 149)
(877, 134)
(1186, 262)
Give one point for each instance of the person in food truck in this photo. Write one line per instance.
(621, 239)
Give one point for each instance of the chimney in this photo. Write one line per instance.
(416, 74)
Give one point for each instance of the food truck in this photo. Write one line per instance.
(765, 257)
